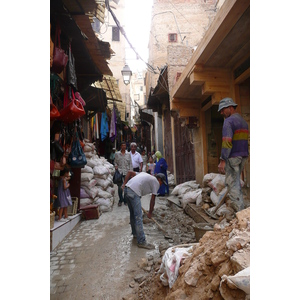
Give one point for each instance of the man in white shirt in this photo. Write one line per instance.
(135, 186)
(136, 158)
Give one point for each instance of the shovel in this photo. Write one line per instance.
(213, 213)
(159, 227)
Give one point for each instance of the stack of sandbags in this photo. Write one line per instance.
(97, 186)
(215, 188)
(188, 192)
(171, 179)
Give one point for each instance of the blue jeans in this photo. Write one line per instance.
(136, 214)
(233, 169)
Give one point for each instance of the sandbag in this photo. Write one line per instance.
(102, 201)
(185, 187)
(241, 281)
(208, 178)
(86, 177)
(215, 199)
(88, 147)
(92, 192)
(100, 170)
(103, 194)
(217, 184)
(83, 193)
(104, 183)
(92, 162)
(170, 264)
(85, 202)
(87, 169)
(190, 197)
(89, 184)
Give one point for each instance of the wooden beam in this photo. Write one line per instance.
(200, 75)
(215, 99)
(186, 108)
(242, 77)
(212, 87)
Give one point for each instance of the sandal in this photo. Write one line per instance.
(120, 204)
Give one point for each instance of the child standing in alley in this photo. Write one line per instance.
(150, 166)
(64, 194)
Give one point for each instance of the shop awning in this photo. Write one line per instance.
(110, 86)
(160, 94)
(90, 53)
(95, 99)
(146, 117)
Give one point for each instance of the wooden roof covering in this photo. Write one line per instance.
(223, 49)
(90, 53)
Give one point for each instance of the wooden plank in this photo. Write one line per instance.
(186, 108)
(212, 87)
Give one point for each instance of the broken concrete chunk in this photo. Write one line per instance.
(192, 275)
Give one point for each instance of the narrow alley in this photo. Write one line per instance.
(99, 258)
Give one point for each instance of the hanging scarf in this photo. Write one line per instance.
(104, 126)
(113, 128)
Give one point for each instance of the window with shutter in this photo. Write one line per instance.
(172, 37)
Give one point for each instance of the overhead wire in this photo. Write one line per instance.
(150, 68)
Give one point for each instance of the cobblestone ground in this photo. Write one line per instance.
(97, 259)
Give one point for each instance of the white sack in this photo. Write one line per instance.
(103, 194)
(87, 169)
(190, 197)
(240, 280)
(104, 183)
(92, 192)
(86, 177)
(102, 201)
(170, 264)
(208, 178)
(217, 184)
(100, 170)
(85, 202)
(89, 184)
(215, 199)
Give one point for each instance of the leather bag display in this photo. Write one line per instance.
(72, 110)
(54, 112)
(60, 58)
(77, 157)
(70, 70)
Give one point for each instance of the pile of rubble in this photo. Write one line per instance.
(218, 267)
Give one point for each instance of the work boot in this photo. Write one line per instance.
(146, 246)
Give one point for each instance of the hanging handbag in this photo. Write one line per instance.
(54, 112)
(60, 58)
(70, 70)
(72, 110)
(77, 157)
(79, 98)
(56, 151)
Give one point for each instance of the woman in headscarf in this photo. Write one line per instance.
(161, 167)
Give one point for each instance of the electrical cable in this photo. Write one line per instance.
(150, 68)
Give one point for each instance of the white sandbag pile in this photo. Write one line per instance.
(188, 192)
(171, 179)
(207, 196)
(97, 186)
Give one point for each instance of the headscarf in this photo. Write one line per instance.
(158, 155)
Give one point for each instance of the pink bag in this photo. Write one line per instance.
(79, 98)
(60, 58)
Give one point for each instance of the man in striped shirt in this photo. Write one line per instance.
(234, 151)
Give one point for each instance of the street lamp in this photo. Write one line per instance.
(126, 73)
